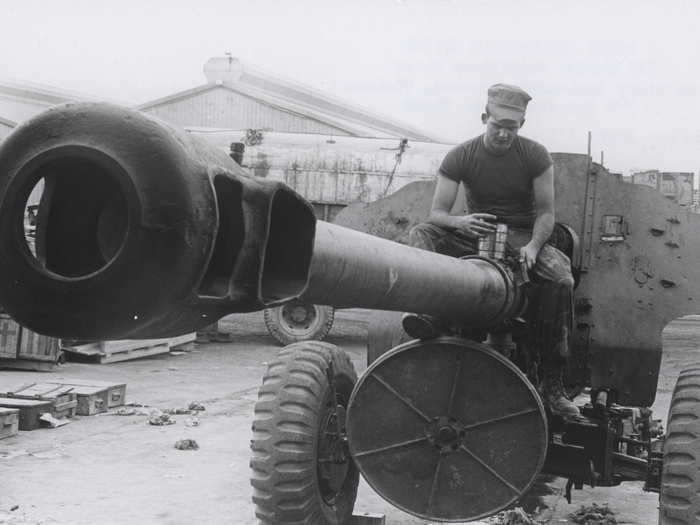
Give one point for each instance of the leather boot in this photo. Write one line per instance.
(420, 326)
(552, 391)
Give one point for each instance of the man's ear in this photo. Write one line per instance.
(484, 117)
(522, 122)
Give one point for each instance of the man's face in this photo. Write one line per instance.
(500, 134)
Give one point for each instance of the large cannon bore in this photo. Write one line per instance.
(146, 231)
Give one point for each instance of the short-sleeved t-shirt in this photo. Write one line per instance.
(499, 184)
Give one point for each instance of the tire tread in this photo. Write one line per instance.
(285, 429)
(679, 498)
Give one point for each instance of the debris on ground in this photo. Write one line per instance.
(192, 422)
(124, 411)
(594, 515)
(127, 411)
(160, 418)
(53, 422)
(196, 406)
(516, 516)
(14, 508)
(186, 444)
(176, 411)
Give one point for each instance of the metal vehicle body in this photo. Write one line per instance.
(176, 235)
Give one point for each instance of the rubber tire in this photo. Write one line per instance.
(679, 495)
(288, 413)
(280, 331)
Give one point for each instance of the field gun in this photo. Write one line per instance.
(145, 231)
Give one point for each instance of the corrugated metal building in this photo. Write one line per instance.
(330, 151)
(240, 96)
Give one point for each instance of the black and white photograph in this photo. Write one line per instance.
(324, 262)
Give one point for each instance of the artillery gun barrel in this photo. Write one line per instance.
(146, 231)
(353, 269)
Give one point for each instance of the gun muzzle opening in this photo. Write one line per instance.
(81, 220)
(289, 248)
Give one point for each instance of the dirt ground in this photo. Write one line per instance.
(111, 469)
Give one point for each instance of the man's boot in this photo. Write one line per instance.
(421, 326)
(552, 390)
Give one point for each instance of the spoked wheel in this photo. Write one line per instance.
(299, 321)
(679, 497)
(302, 469)
(447, 429)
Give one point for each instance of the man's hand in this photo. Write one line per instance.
(476, 224)
(528, 254)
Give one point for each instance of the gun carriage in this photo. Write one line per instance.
(172, 235)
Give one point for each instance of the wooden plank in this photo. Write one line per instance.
(63, 400)
(182, 340)
(9, 422)
(126, 349)
(135, 353)
(29, 410)
(27, 364)
(9, 337)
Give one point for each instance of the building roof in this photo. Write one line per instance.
(20, 100)
(292, 97)
(40, 93)
(7, 122)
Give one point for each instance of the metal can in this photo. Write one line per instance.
(486, 244)
(499, 245)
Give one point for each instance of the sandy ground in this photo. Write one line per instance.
(118, 470)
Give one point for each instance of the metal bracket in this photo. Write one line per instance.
(589, 218)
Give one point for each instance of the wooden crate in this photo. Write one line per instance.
(9, 422)
(24, 349)
(95, 396)
(35, 347)
(64, 399)
(30, 410)
(9, 337)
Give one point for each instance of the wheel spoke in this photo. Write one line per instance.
(490, 469)
(499, 418)
(391, 447)
(455, 381)
(433, 487)
(401, 398)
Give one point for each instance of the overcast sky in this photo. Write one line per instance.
(627, 71)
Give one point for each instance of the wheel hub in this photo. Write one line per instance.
(298, 315)
(333, 455)
(445, 434)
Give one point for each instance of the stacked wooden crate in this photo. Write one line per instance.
(95, 396)
(23, 408)
(22, 348)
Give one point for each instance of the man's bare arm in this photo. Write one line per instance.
(475, 224)
(543, 187)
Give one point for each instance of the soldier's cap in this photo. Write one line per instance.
(507, 102)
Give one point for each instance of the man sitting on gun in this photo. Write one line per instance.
(509, 179)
